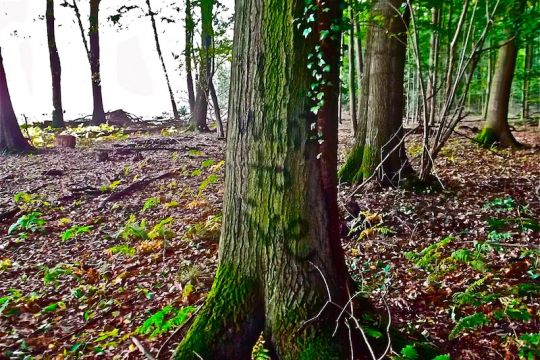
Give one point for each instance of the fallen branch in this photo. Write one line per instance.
(6, 215)
(142, 349)
(135, 186)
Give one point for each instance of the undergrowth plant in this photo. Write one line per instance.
(29, 222)
(164, 320)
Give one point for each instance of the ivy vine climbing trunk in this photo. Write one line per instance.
(56, 69)
(98, 115)
(11, 137)
(280, 255)
(200, 111)
(189, 27)
(160, 55)
(380, 151)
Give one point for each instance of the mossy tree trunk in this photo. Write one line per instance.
(496, 129)
(162, 61)
(98, 115)
(56, 69)
(11, 137)
(280, 232)
(198, 119)
(380, 150)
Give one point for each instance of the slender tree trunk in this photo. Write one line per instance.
(217, 111)
(11, 137)
(280, 254)
(433, 66)
(526, 82)
(453, 47)
(56, 69)
(496, 129)
(160, 54)
(190, 28)
(198, 120)
(98, 116)
(349, 171)
(353, 104)
(384, 136)
(490, 62)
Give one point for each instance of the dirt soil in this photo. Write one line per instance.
(109, 240)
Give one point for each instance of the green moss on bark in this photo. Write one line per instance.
(351, 171)
(223, 317)
(487, 137)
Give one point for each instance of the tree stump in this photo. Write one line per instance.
(65, 141)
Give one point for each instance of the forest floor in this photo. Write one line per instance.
(100, 252)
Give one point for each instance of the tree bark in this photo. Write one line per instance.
(189, 29)
(56, 69)
(198, 120)
(11, 137)
(496, 129)
(160, 55)
(353, 104)
(383, 101)
(526, 82)
(98, 116)
(433, 65)
(280, 254)
(217, 111)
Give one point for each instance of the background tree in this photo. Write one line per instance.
(98, 115)
(56, 69)
(383, 143)
(160, 55)
(198, 120)
(93, 54)
(188, 51)
(11, 137)
(496, 128)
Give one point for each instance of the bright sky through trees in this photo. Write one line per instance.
(132, 76)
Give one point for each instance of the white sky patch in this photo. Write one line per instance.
(132, 77)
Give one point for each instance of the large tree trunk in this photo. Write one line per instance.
(98, 116)
(56, 69)
(188, 50)
(383, 100)
(198, 120)
(280, 254)
(496, 129)
(160, 55)
(11, 137)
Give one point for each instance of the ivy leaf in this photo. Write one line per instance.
(324, 34)
(306, 32)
